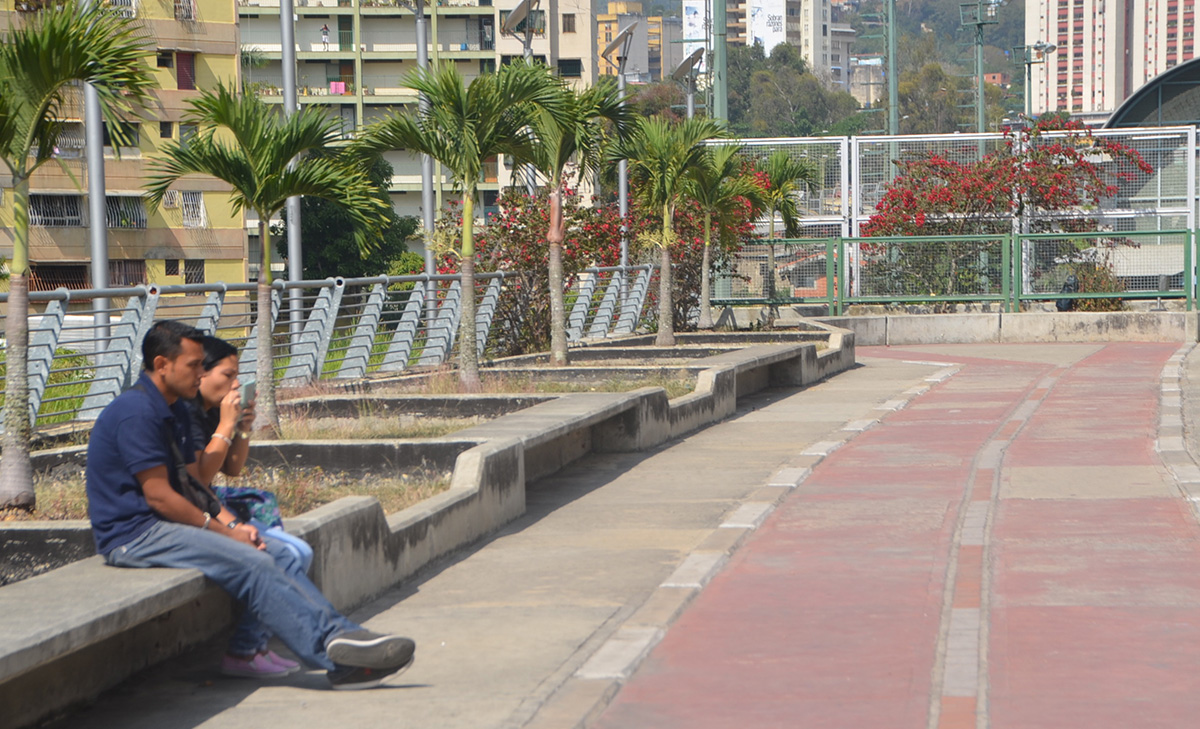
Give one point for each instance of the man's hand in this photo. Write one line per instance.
(247, 534)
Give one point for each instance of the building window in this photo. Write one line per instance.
(535, 20)
(171, 267)
(56, 211)
(185, 9)
(166, 59)
(129, 131)
(568, 23)
(47, 277)
(570, 67)
(193, 271)
(487, 65)
(166, 129)
(125, 211)
(126, 273)
(186, 73)
(187, 132)
(192, 204)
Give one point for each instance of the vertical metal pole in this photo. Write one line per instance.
(623, 173)
(691, 94)
(428, 206)
(98, 230)
(1028, 84)
(980, 103)
(893, 73)
(287, 35)
(720, 107)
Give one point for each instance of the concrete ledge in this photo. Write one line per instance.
(93, 625)
(1123, 326)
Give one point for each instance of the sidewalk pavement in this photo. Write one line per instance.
(987, 537)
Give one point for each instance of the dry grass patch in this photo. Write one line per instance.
(369, 427)
(63, 496)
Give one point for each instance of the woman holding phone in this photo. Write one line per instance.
(222, 416)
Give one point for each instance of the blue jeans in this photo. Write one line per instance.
(301, 548)
(278, 598)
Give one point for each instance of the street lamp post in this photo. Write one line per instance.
(1030, 55)
(685, 73)
(620, 46)
(979, 14)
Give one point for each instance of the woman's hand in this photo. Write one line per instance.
(231, 410)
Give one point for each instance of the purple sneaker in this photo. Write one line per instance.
(256, 666)
(273, 657)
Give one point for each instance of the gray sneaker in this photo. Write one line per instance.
(353, 678)
(367, 649)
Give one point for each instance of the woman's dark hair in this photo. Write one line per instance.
(215, 350)
(165, 339)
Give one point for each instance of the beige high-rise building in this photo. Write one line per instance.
(372, 45)
(1106, 49)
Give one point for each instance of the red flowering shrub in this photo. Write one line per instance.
(1049, 178)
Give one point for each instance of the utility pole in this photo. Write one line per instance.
(1030, 55)
(893, 72)
(720, 108)
(428, 206)
(287, 33)
(97, 211)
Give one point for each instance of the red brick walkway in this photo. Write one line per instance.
(1006, 551)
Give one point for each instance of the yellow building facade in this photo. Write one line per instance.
(196, 236)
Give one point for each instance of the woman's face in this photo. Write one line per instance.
(217, 382)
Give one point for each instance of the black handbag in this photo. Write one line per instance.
(187, 485)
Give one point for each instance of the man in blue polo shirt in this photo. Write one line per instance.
(140, 518)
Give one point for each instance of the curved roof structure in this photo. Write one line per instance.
(1171, 98)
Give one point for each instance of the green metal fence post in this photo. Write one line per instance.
(1189, 258)
(1006, 272)
(831, 275)
(843, 270)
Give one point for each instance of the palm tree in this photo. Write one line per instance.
(660, 156)
(786, 177)
(463, 126)
(43, 62)
(576, 132)
(263, 156)
(717, 185)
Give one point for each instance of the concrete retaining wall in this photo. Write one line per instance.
(102, 624)
(1119, 326)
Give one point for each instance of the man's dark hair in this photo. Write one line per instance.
(215, 350)
(165, 338)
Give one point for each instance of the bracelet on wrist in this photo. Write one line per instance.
(207, 519)
(233, 523)
(227, 439)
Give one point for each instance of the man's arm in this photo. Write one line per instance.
(170, 505)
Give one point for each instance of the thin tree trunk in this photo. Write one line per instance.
(264, 365)
(771, 310)
(468, 354)
(16, 473)
(558, 318)
(706, 321)
(666, 317)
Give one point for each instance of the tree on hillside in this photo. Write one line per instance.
(44, 59)
(778, 96)
(330, 248)
(264, 156)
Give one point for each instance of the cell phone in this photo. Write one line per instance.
(248, 391)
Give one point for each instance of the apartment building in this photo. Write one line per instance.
(195, 237)
(353, 55)
(1106, 49)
